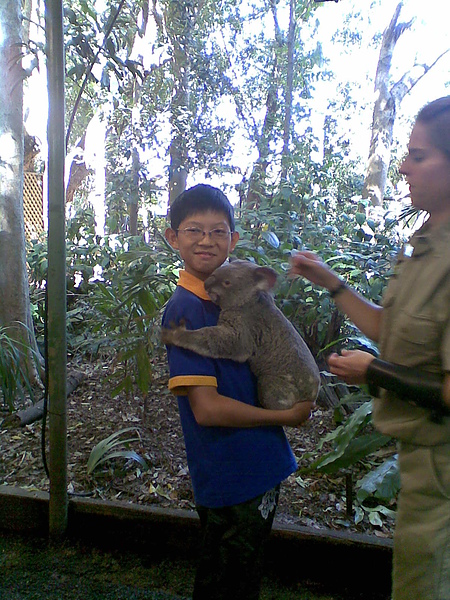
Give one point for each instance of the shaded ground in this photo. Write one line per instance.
(93, 414)
(32, 569)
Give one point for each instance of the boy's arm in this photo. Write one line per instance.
(211, 409)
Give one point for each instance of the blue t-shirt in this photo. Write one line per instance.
(227, 465)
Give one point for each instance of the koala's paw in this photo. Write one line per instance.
(168, 336)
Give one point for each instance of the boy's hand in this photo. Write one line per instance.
(298, 414)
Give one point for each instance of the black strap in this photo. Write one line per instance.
(408, 383)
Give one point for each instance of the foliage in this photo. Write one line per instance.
(97, 45)
(116, 289)
(353, 441)
(86, 254)
(348, 447)
(14, 375)
(123, 313)
(361, 249)
(106, 450)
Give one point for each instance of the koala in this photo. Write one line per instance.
(251, 328)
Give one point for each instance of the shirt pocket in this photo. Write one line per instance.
(418, 338)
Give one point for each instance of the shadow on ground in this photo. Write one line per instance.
(118, 551)
(31, 568)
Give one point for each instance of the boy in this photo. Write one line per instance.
(237, 452)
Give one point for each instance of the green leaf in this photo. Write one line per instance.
(271, 239)
(360, 218)
(128, 454)
(347, 449)
(103, 450)
(356, 450)
(383, 482)
(375, 519)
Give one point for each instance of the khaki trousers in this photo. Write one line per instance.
(421, 569)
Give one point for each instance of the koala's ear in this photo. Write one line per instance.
(267, 277)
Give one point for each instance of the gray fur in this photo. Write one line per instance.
(251, 327)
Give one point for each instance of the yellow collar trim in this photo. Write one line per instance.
(193, 284)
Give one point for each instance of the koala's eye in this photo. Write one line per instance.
(226, 283)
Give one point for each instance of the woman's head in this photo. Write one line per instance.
(427, 165)
(436, 118)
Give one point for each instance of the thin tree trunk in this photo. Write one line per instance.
(78, 170)
(257, 181)
(179, 23)
(289, 91)
(133, 203)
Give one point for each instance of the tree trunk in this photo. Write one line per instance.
(78, 170)
(257, 181)
(388, 99)
(289, 91)
(179, 20)
(133, 202)
(384, 113)
(36, 411)
(14, 293)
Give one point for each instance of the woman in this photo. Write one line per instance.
(413, 332)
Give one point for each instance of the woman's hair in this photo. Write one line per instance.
(436, 117)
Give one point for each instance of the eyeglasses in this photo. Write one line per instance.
(195, 234)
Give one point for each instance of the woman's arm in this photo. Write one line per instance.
(211, 409)
(446, 392)
(365, 315)
(425, 389)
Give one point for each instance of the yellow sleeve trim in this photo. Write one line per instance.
(178, 385)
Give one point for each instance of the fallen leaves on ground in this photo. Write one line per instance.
(314, 500)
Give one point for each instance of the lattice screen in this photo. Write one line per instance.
(33, 204)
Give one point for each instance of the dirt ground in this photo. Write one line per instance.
(312, 500)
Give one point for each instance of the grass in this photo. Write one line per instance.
(33, 569)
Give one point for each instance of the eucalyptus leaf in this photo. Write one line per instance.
(271, 239)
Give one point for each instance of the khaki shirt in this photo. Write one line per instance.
(415, 332)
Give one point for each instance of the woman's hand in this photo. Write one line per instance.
(351, 365)
(310, 265)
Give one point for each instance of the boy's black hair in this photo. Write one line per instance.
(197, 199)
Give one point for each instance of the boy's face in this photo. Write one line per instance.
(205, 252)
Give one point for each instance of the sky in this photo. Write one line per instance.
(429, 36)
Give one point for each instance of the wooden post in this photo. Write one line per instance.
(56, 281)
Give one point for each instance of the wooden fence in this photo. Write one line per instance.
(33, 204)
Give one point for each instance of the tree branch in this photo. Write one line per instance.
(406, 83)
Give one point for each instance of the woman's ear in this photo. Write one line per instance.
(171, 236)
